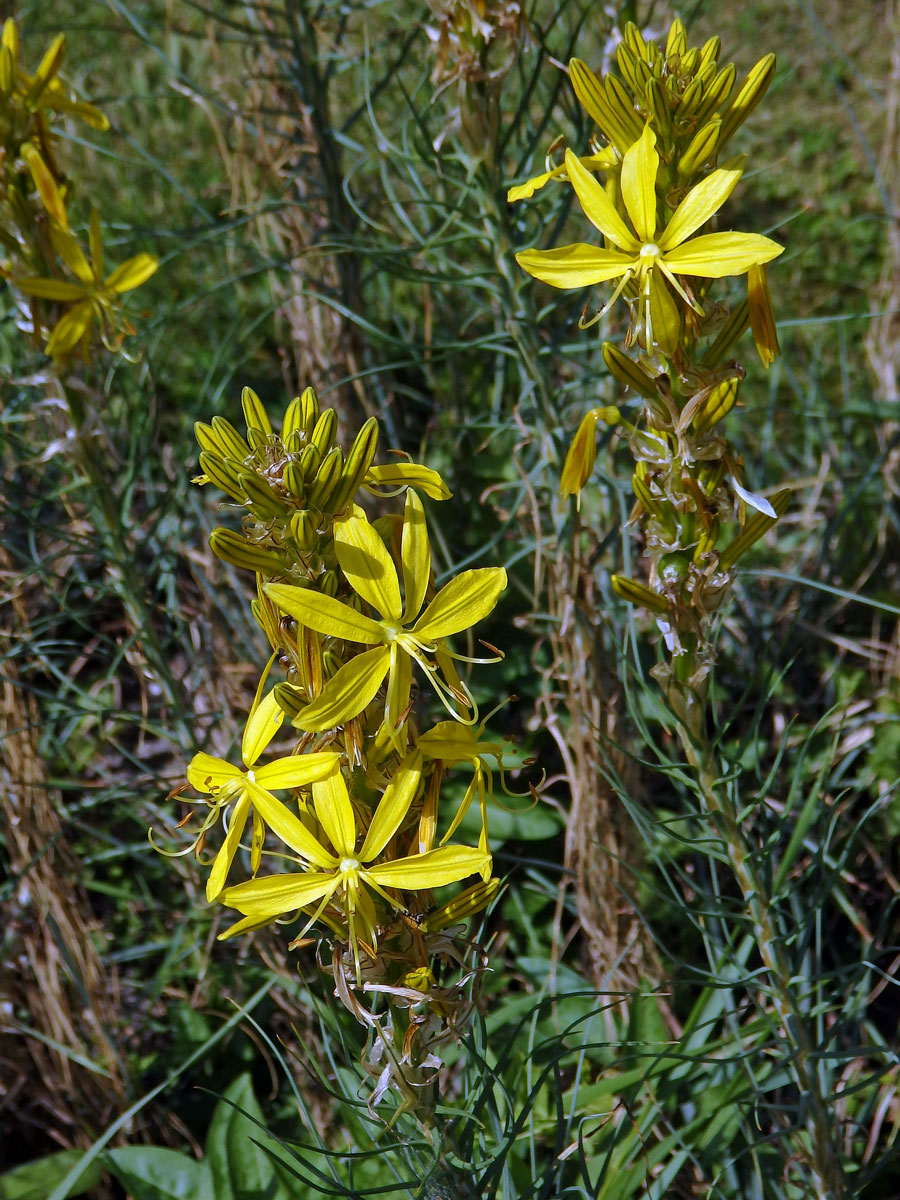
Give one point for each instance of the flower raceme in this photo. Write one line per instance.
(650, 253)
(343, 870)
(399, 635)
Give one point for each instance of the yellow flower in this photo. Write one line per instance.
(649, 250)
(398, 637)
(249, 789)
(345, 872)
(92, 296)
(580, 459)
(41, 91)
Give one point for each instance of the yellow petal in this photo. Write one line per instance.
(325, 615)
(698, 206)
(715, 255)
(604, 159)
(368, 566)
(665, 317)
(273, 895)
(335, 813)
(580, 459)
(50, 289)
(393, 806)
(225, 857)
(9, 39)
(598, 208)
(415, 556)
(396, 475)
(50, 195)
(60, 102)
(639, 168)
(575, 266)
(70, 329)
(289, 828)
(71, 253)
(347, 693)
(208, 774)
(397, 700)
(762, 316)
(296, 770)
(433, 869)
(264, 721)
(132, 273)
(476, 787)
(464, 600)
(50, 63)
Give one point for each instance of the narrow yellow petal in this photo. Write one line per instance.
(50, 289)
(335, 813)
(289, 828)
(398, 689)
(325, 615)
(698, 206)
(580, 459)
(50, 195)
(575, 266)
(273, 895)
(603, 159)
(296, 770)
(368, 566)
(395, 475)
(598, 208)
(466, 599)
(10, 39)
(208, 774)
(715, 255)
(132, 273)
(225, 857)
(71, 253)
(665, 317)
(262, 724)
(393, 806)
(347, 693)
(434, 869)
(639, 169)
(415, 556)
(70, 329)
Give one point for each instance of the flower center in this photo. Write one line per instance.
(251, 776)
(392, 630)
(650, 251)
(348, 865)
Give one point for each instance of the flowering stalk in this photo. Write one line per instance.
(355, 624)
(663, 124)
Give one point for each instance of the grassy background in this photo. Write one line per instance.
(388, 292)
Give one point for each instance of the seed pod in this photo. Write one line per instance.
(752, 91)
(232, 548)
(327, 478)
(221, 475)
(234, 445)
(700, 150)
(322, 436)
(264, 502)
(758, 524)
(254, 413)
(639, 594)
(360, 458)
(293, 479)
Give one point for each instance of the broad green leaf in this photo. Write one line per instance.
(157, 1173)
(368, 566)
(240, 1169)
(575, 266)
(461, 603)
(325, 615)
(598, 208)
(36, 1180)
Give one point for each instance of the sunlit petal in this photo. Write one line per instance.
(716, 255)
(463, 601)
(368, 566)
(393, 807)
(335, 813)
(698, 206)
(598, 208)
(347, 693)
(575, 266)
(639, 168)
(324, 614)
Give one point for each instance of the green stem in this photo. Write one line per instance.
(823, 1160)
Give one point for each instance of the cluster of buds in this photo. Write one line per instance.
(353, 620)
(476, 43)
(62, 292)
(662, 124)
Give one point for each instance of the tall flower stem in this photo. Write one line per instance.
(821, 1155)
